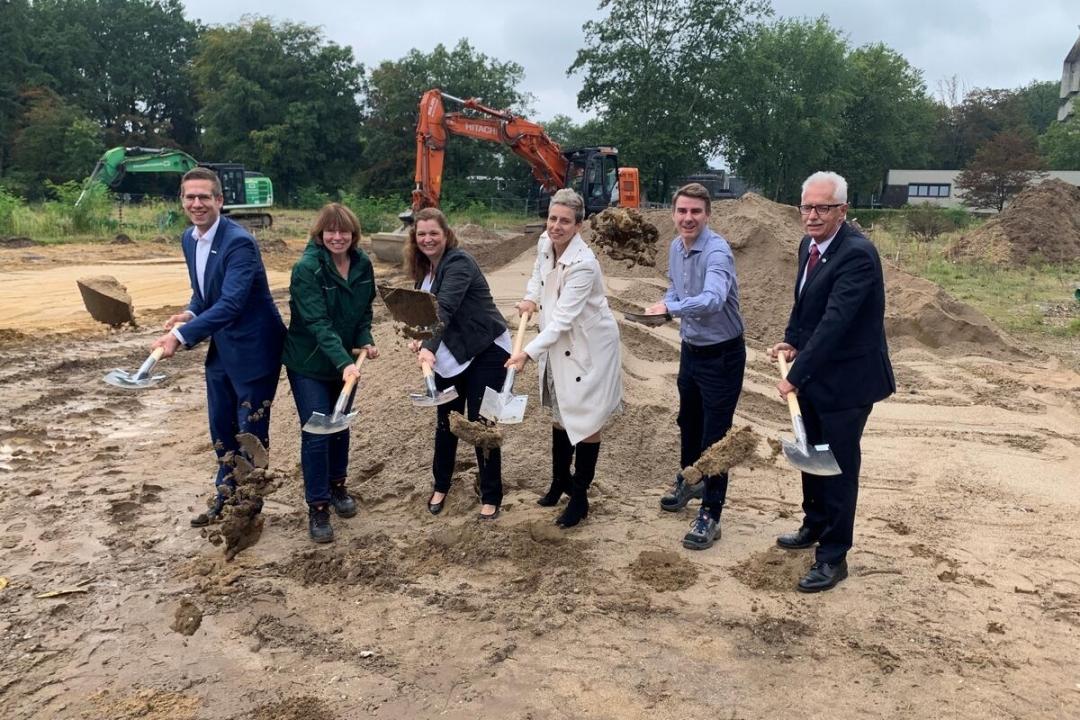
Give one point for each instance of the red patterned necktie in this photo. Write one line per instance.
(815, 255)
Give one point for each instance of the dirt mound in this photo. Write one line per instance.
(663, 570)
(187, 618)
(1042, 222)
(918, 310)
(772, 569)
(472, 231)
(625, 235)
(531, 545)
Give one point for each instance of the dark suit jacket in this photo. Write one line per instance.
(237, 313)
(838, 326)
(468, 317)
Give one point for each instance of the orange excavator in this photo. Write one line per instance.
(592, 171)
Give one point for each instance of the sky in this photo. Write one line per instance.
(982, 43)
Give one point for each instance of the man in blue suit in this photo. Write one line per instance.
(835, 341)
(230, 305)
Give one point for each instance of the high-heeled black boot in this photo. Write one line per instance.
(562, 454)
(584, 470)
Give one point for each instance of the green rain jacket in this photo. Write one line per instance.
(331, 315)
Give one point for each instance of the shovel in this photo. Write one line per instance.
(813, 459)
(416, 310)
(142, 377)
(432, 397)
(319, 424)
(504, 406)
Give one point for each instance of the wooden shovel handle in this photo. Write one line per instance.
(792, 401)
(519, 339)
(352, 381)
(426, 369)
(157, 353)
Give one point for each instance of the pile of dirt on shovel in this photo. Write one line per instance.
(1042, 222)
(625, 235)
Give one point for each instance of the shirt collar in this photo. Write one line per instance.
(823, 246)
(698, 243)
(209, 236)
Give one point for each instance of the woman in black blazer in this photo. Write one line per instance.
(468, 351)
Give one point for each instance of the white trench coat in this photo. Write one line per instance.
(579, 336)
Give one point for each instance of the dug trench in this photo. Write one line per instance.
(956, 585)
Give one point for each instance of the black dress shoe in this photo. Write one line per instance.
(823, 576)
(435, 507)
(801, 538)
(492, 516)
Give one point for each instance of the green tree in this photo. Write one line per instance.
(786, 111)
(1060, 144)
(56, 142)
(658, 73)
(14, 18)
(1002, 167)
(125, 62)
(886, 122)
(569, 134)
(280, 99)
(389, 134)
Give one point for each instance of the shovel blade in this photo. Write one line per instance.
(499, 408)
(319, 424)
(123, 379)
(439, 398)
(815, 459)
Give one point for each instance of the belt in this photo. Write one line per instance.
(716, 348)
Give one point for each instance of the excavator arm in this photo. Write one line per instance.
(526, 139)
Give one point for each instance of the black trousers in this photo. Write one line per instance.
(485, 370)
(710, 380)
(829, 501)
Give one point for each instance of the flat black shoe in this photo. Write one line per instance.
(492, 516)
(823, 576)
(319, 525)
(436, 507)
(801, 538)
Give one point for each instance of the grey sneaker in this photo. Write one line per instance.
(703, 532)
(681, 493)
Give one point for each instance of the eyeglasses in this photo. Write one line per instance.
(821, 209)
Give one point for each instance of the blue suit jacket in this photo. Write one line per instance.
(236, 313)
(838, 326)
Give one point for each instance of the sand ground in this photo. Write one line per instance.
(963, 600)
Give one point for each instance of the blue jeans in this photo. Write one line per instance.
(236, 407)
(323, 458)
(710, 380)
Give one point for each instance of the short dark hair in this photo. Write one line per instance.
(201, 173)
(335, 216)
(417, 263)
(696, 191)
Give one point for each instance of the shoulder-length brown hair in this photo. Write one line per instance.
(417, 263)
(335, 216)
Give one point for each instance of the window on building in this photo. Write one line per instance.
(927, 190)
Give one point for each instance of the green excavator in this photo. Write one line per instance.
(248, 195)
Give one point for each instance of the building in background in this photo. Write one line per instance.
(938, 187)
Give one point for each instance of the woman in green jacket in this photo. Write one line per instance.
(332, 288)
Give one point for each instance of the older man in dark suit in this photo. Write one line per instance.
(231, 306)
(835, 341)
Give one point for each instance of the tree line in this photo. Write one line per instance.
(671, 83)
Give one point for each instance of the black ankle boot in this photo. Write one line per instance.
(562, 454)
(584, 470)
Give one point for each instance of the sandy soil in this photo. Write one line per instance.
(963, 600)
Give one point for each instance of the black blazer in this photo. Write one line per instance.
(838, 326)
(468, 318)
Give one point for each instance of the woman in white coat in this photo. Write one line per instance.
(577, 350)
